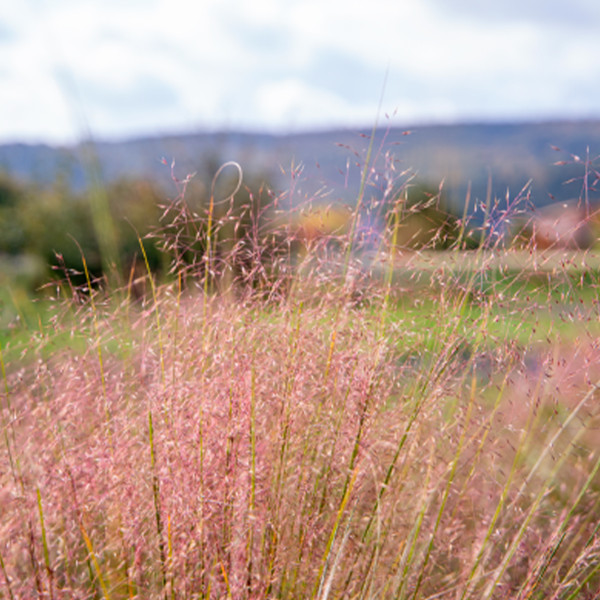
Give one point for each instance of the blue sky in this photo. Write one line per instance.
(122, 68)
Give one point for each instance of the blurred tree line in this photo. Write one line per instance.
(53, 227)
(236, 213)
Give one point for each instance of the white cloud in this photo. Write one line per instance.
(142, 66)
(290, 101)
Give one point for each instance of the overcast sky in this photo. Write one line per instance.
(120, 68)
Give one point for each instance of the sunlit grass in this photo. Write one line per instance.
(274, 422)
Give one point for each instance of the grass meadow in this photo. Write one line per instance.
(294, 418)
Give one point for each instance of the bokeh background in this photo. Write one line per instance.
(99, 99)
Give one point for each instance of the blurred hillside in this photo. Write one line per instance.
(508, 155)
(93, 200)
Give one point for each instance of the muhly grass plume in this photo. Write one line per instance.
(293, 429)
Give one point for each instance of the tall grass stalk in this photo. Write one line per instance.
(94, 561)
(6, 578)
(49, 570)
(156, 312)
(332, 536)
(8, 429)
(157, 506)
(252, 474)
(408, 547)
